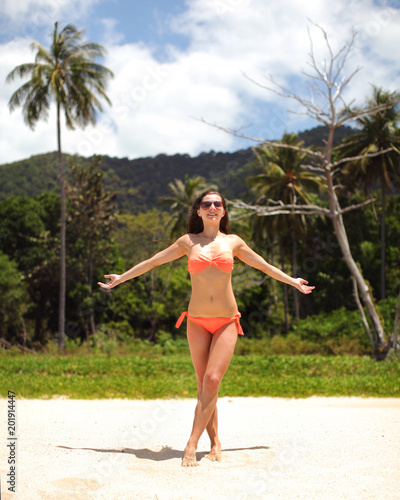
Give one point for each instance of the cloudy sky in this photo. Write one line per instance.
(179, 61)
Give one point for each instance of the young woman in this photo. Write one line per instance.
(212, 316)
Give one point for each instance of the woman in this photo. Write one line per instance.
(213, 317)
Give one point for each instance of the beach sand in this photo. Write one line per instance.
(275, 448)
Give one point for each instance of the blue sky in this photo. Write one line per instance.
(177, 62)
(145, 21)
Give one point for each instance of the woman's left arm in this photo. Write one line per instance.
(250, 257)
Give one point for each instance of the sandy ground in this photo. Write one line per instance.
(328, 448)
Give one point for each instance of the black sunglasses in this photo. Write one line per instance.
(207, 204)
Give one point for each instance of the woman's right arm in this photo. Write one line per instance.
(173, 252)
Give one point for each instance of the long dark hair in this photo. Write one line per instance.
(195, 223)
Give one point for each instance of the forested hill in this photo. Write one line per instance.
(139, 183)
(142, 181)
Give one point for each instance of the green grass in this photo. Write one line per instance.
(98, 376)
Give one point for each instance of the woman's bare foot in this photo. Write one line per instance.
(189, 458)
(215, 453)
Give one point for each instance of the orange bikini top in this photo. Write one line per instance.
(198, 262)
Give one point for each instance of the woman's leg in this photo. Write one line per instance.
(220, 351)
(199, 340)
(212, 431)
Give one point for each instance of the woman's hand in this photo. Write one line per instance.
(302, 285)
(115, 279)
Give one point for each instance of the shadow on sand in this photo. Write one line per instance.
(166, 453)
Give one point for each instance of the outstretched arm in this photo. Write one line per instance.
(250, 257)
(173, 252)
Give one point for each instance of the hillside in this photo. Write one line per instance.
(140, 182)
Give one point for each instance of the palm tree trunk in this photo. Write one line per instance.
(90, 283)
(285, 291)
(61, 312)
(25, 335)
(39, 335)
(274, 290)
(153, 320)
(383, 244)
(294, 273)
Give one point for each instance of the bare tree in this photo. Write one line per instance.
(325, 103)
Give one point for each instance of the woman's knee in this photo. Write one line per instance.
(211, 381)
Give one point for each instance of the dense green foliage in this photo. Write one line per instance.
(320, 258)
(67, 75)
(12, 295)
(97, 376)
(91, 221)
(324, 323)
(29, 229)
(29, 236)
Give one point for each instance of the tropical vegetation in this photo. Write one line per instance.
(376, 132)
(68, 74)
(119, 212)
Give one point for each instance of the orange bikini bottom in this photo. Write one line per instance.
(211, 324)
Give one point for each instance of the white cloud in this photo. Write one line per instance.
(155, 103)
(17, 141)
(110, 35)
(32, 18)
(155, 106)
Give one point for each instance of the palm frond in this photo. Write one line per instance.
(20, 71)
(37, 105)
(42, 55)
(67, 73)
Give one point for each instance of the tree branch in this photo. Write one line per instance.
(361, 157)
(351, 115)
(363, 317)
(358, 205)
(235, 133)
(280, 209)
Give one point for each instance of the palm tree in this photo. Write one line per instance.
(377, 132)
(181, 200)
(68, 75)
(284, 178)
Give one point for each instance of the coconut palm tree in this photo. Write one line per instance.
(68, 75)
(376, 132)
(181, 200)
(285, 178)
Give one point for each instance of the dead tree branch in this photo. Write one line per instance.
(362, 313)
(361, 157)
(355, 207)
(280, 209)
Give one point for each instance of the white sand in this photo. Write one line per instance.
(328, 448)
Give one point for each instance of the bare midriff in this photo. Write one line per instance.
(212, 294)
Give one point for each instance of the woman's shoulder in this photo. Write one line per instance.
(187, 241)
(184, 240)
(237, 240)
(236, 243)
